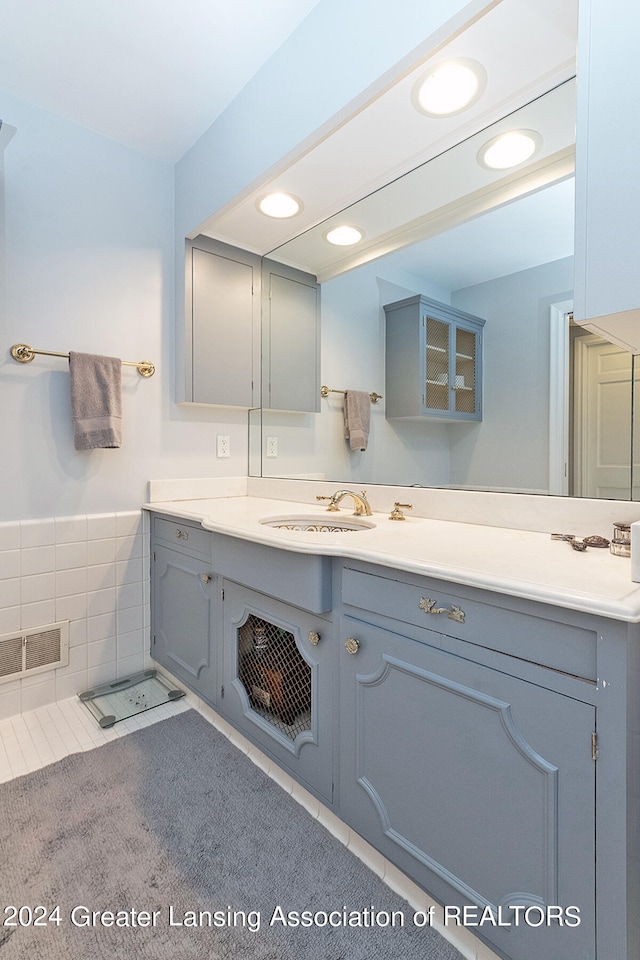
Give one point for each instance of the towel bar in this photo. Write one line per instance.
(25, 354)
(325, 391)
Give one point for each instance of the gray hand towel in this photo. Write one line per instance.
(357, 414)
(96, 400)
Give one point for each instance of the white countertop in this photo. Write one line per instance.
(521, 563)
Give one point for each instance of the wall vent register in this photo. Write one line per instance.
(34, 650)
(275, 676)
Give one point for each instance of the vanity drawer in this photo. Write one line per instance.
(188, 536)
(301, 579)
(536, 639)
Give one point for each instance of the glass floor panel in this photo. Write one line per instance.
(129, 696)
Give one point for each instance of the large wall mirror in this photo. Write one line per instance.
(557, 403)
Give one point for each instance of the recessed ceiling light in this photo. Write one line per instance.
(449, 88)
(509, 149)
(280, 205)
(344, 236)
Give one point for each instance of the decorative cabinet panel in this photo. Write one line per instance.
(222, 324)
(290, 339)
(433, 361)
(278, 683)
(475, 783)
(183, 635)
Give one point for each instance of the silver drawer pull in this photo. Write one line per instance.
(314, 638)
(205, 577)
(351, 645)
(182, 535)
(429, 606)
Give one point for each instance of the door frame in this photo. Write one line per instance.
(559, 397)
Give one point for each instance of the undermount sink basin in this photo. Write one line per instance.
(316, 524)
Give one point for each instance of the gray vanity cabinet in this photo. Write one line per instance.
(485, 744)
(183, 598)
(278, 683)
(433, 360)
(222, 293)
(470, 771)
(290, 339)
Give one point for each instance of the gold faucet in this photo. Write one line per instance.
(360, 502)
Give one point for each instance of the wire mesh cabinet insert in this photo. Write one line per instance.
(433, 361)
(277, 682)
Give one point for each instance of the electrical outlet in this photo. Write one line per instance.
(224, 445)
(272, 446)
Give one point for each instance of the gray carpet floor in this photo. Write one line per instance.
(174, 820)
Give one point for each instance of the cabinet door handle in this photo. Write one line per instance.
(182, 535)
(314, 638)
(453, 613)
(351, 645)
(205, 577)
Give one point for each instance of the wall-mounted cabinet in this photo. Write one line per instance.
(252, 332)
(433, 361)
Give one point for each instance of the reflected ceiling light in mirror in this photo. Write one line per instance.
(344, 236)
(449, 88)
(280, 205)
(509, 149)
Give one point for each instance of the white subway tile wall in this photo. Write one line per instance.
(91, 570)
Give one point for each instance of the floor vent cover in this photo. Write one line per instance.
(34, 650)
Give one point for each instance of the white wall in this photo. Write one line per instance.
(510, 448)
(89, 267)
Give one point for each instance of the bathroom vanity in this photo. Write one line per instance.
(466, 699)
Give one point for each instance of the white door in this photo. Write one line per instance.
(602, 466)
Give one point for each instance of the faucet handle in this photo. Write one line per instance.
(333, 506)
(396, 513)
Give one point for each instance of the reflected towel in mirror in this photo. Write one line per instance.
(357, 415)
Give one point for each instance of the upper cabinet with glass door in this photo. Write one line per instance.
(433, 361)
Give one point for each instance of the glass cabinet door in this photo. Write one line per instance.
(437, 365)
(464, 383)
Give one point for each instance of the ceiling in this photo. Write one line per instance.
(150, 74)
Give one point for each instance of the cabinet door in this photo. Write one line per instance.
(477, 784)
(223, 305)
(452, 369)
(277, 683)
(290, 339)
(182, 610)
